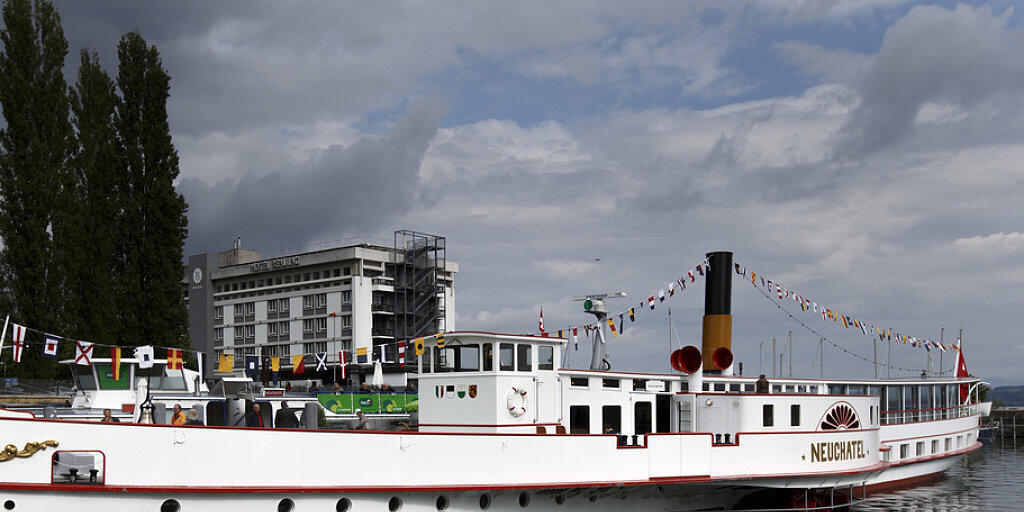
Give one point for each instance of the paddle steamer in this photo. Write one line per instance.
(503, 427)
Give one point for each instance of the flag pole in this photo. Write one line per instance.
(3, 336)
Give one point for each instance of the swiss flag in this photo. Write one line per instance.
(401, 354)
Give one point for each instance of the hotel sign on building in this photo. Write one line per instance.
(274, 264)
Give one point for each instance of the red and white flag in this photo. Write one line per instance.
(401, 354)
(342, 363)
(18, 338)
(961, 372)
(541, 322)
(83, 353)
(650, 302)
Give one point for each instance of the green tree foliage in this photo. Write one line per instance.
(34, 151)
(154, 225)
(92, 226)
(90, 210)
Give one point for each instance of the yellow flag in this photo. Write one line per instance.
(439, 338)
(226, 364)
(611, 325)
(421, 347)
(275, 363)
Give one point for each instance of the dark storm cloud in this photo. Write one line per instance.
(361, 186)
(960, 57)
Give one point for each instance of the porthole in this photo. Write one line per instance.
(343, 505)
(394, 504)
(524, 499)
(285, 505)
(166, 506)
(442, 502)
(485, 501)
(559, 499)
(9, 504)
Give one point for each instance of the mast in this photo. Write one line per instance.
(773, 357)
(791, 354)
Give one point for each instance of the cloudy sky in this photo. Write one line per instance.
(869, 154)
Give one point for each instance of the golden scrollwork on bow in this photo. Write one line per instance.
(10, 451)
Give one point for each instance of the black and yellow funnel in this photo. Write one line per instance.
(717, 333)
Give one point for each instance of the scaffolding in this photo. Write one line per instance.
(419, 266)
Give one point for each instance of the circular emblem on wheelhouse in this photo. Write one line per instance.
(842, 416)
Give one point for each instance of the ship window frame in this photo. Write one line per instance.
(487, 356)
(768, 415)
(524, 364)
(545, 357)
(611, 412)
(794, 415)
(575, 382)
(638, 417)
(582, 424)
(904, 450)
(610, 383)
(508, 349)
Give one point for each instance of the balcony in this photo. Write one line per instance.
(383, 332)
(383, 307)
(346, 307)
(321, 335)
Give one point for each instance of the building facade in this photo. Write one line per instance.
(353, 298)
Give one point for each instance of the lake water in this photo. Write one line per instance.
(989, 480)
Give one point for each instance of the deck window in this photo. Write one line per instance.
(919, 449)
(904, 448)
(506, 357)
(581, 382)
(524, 361)
(935, 446)
(579, 419)
(610, 383)
(926, 403)
(768, 413)
(794, 415)
(642, 418)
(545, 357)
(611, 419)
(949, 444)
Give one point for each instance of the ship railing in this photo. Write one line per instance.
(937, 413)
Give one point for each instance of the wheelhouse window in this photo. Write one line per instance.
(488, 357)
(579, 419)
(83, 378)
(506, 357)
(611, 419)
(467, 358)
(545, 357)
(768, 415)
(524, 362)
(794, 415)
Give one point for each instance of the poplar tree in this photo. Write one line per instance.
(153, 226)
(34, 150)
(88, 249)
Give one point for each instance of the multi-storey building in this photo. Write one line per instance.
(356, 296)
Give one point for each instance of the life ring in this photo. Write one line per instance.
(516, 401)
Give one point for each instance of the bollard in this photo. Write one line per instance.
(159, 413)
(310, 418)
(49, 411)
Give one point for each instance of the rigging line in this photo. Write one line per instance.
(829, 340)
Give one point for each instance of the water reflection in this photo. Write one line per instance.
(990, 480)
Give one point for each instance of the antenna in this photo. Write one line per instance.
(594, 304)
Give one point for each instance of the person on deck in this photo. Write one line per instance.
(761, 386)
(285, 417)
(192, 417)
(363, 421)
(178, 417)
(108, 418)
(255, 419)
